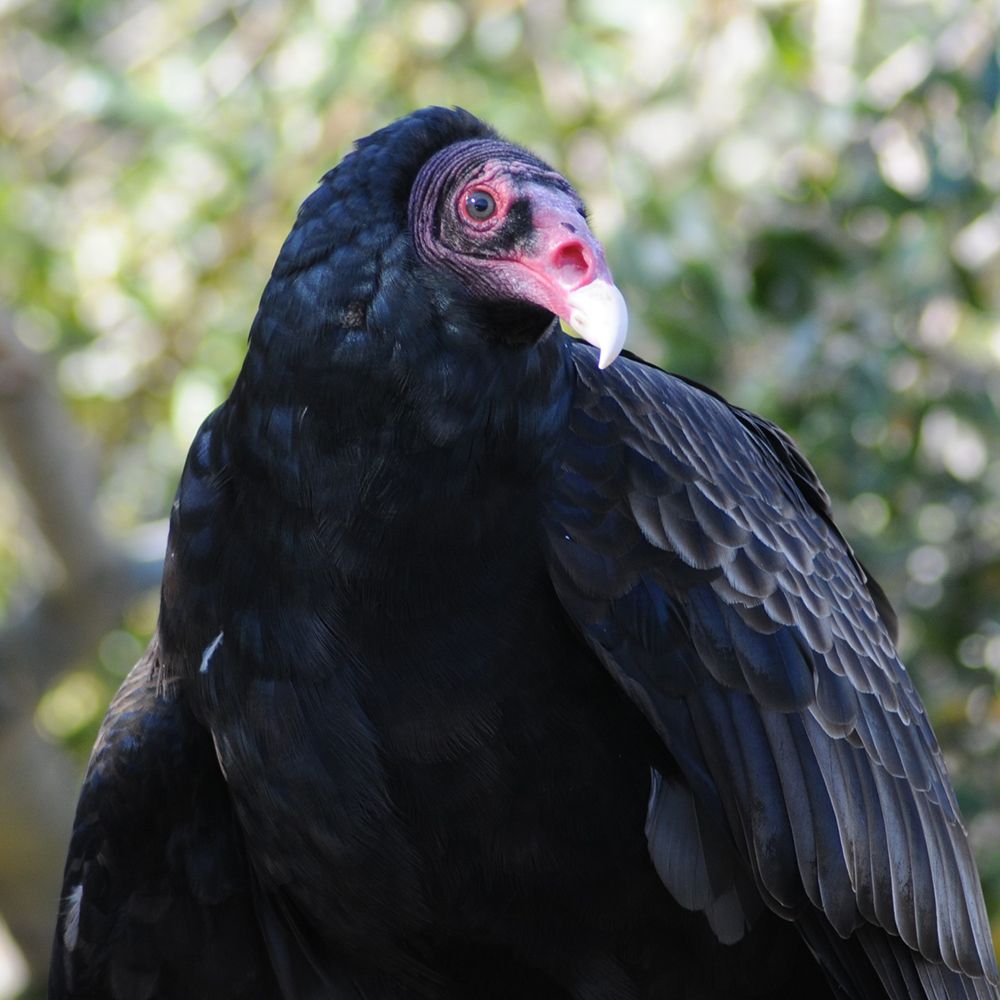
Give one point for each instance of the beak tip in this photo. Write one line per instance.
(599, 315)
(607, 355)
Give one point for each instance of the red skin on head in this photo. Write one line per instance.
(531, 243)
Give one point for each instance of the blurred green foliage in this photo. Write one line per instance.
(799, 199)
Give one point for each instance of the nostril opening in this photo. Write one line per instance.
(571, 262)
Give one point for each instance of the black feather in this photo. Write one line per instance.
(481, 672)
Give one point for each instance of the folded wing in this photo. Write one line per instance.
(694, 547)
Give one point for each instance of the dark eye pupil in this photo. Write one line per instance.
(480, 204)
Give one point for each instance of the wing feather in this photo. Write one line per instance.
(157, 891)
(695, 549)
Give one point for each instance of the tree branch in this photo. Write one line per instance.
(52, 459)
(38, 782)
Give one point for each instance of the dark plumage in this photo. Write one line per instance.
(483, 672)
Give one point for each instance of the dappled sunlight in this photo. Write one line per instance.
(799, 201)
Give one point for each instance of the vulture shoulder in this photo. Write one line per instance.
(693, 546)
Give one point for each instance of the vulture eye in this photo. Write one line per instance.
(480, 205)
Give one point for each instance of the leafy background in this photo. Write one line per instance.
(799, 199)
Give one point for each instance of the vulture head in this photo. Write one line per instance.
(436, 212)
(513, 230)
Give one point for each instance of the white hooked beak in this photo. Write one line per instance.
(598, 315)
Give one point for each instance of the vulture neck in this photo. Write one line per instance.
(436, 450)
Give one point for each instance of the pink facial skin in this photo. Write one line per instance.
(515, 230)
(563, 254)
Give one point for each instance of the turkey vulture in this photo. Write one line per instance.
(487, 668)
